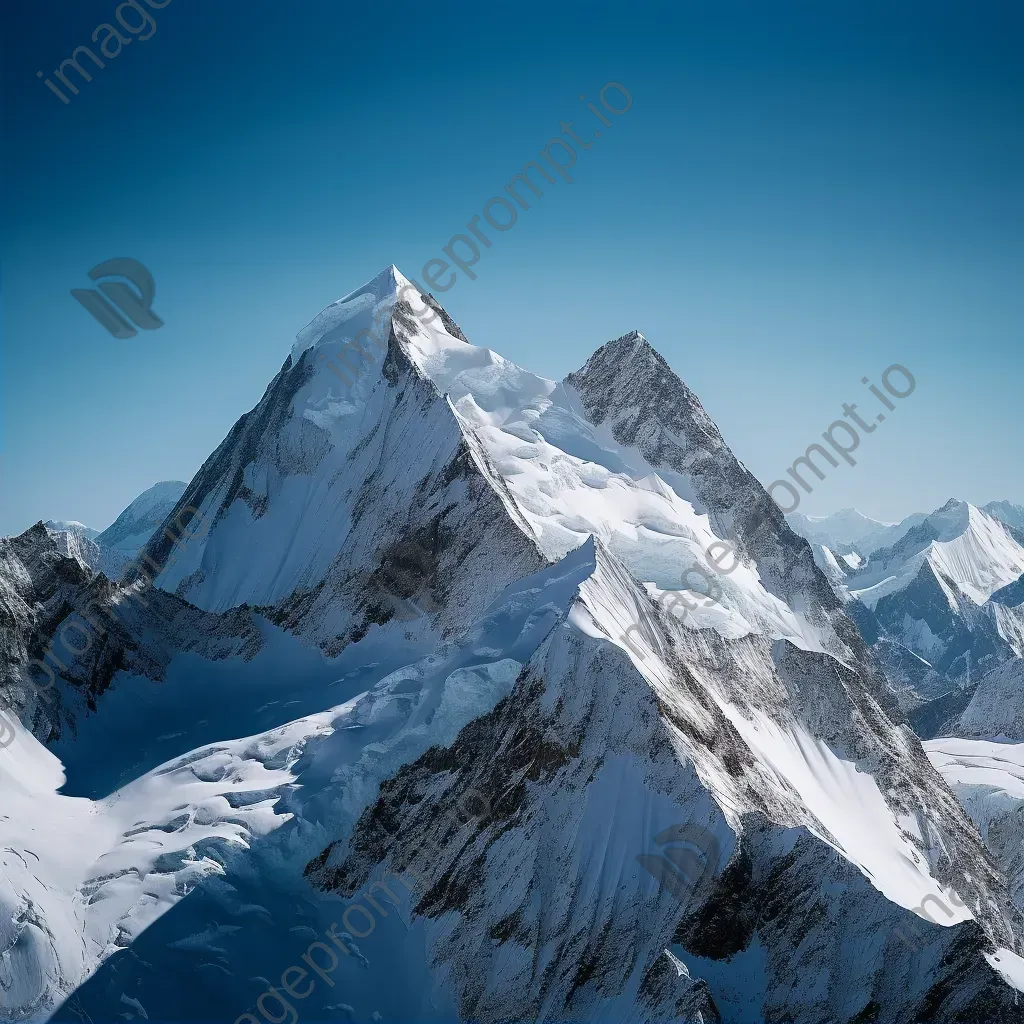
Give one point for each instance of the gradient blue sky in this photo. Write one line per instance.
(801, 195)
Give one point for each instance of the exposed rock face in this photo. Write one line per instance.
(629, 387)
(66, 632)
(41, 579)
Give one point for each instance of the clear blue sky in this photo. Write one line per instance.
(801, 195)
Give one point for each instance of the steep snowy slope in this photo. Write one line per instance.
(120, 542)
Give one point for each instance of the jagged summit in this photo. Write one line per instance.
(355, 310)
(631, 346)
(630, 355)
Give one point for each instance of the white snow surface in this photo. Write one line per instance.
(80, 879)
(135, 525)
(841, 805)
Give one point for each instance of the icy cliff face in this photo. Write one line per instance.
(443, 574)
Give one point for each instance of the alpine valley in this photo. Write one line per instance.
(402, 645)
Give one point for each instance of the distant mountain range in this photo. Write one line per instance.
(939, 596)
(849, 530)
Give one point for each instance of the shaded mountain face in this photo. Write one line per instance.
(439, 617)
(996, 710)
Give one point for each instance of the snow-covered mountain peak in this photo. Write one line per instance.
(368, 306)
(71, 526)
(953, 518)
(499, 571)
(134, 526)
(965, 547)
(341, 310)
